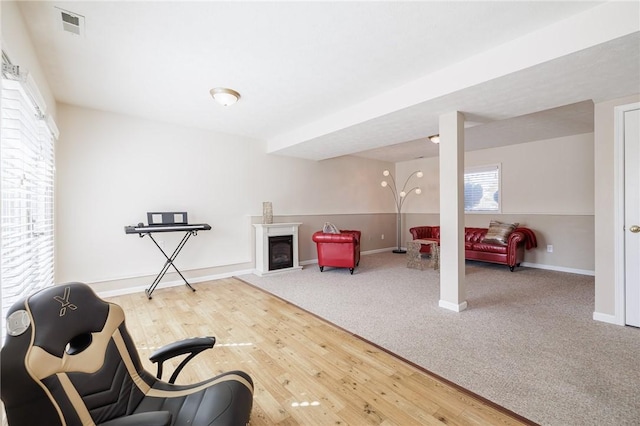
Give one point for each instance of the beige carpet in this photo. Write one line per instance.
(527, 341)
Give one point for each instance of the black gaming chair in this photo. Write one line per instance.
(69, 360)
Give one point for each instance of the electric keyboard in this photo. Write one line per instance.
(148, 229)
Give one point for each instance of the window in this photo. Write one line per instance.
(482, 189)
(26, 191)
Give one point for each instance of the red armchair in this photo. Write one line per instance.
(338, 250)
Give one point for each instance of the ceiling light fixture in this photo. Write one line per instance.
(224, 96)
(435, 138)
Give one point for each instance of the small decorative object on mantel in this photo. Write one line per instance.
(267, 213)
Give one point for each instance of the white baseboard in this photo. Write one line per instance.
(276, 272)
(175, 283)
(382, 250)
(456, 307)
(596, 316)
(559, 268)
(610, 319)
(362, 253)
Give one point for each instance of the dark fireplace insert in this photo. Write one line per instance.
(280, 252)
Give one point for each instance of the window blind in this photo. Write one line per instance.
(27, 196)
(482, 189)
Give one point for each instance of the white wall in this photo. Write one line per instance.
(17, 44)
(112, 169)
(553, 176)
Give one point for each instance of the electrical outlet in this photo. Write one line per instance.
(549, 248)
(382, 237)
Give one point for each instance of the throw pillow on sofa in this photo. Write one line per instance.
(330, 228)
(499, 232)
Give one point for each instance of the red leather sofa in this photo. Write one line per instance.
(510, 254)
(338, 250)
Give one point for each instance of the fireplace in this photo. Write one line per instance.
(276, 248)
(280, 252)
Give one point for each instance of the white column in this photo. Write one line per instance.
(453, 292)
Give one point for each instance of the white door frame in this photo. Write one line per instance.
(618, 217)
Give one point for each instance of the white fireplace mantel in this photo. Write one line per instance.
(263, 232)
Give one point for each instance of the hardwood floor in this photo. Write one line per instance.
(305, 370)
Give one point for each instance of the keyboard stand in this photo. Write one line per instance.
(169, 262)
(149, 230)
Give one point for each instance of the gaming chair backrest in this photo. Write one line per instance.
(63, 363)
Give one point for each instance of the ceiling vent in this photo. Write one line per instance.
(72, 22)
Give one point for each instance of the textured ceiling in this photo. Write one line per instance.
(303, 67)
(573, 119)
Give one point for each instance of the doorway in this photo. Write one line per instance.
(628, 276)
(632, 215)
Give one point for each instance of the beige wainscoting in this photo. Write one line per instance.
(372, 226)
(572, 237)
